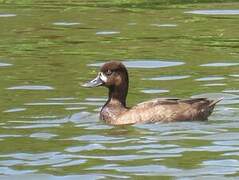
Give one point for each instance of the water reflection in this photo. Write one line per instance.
(7, 15)
(154, 91)
(30, 87)
(210, 78)
(215, 12)
(226, 64)
(214, 84)
(5, 64)
(50, 127)
(107, 32)
(166, 78)
(43, 136)
(14, 110)
(146, 63)
(164, 25)
(66, 23)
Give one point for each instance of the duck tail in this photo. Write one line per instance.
(213, 103)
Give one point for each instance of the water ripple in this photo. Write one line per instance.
(146, 63)
(66, 23)
(96, 138)
(7, 15)
(214, 84)
(5, 64)
(107, 32)
(210, 78)
(155, 91)
(30, 87)
(54, 132)
(215, 12)
(33, 126)
(10, 171)
(15, 110)
(166, 78)
(70, 163)
(44, 136)
(219, 64)
(164, 25)
(89, 147)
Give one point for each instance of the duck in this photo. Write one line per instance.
(114, 76)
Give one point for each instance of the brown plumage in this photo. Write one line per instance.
(114, 76)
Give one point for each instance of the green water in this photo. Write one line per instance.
(49, 126)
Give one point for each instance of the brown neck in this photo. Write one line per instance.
(116, 103)
(118, 94)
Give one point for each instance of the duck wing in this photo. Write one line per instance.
(169, 109)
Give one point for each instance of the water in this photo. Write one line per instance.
(49, 126)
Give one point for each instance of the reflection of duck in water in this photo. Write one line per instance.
(114, 76)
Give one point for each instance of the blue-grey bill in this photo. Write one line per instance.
(93, 83)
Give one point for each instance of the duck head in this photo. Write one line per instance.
(114, 76)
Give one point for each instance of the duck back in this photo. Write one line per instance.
(167, 110)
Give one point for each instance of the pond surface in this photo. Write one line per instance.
(49, 126)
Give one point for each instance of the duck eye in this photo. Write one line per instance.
(108, 72)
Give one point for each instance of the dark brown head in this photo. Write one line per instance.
(112, 74)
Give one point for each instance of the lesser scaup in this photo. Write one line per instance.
(114, 76)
